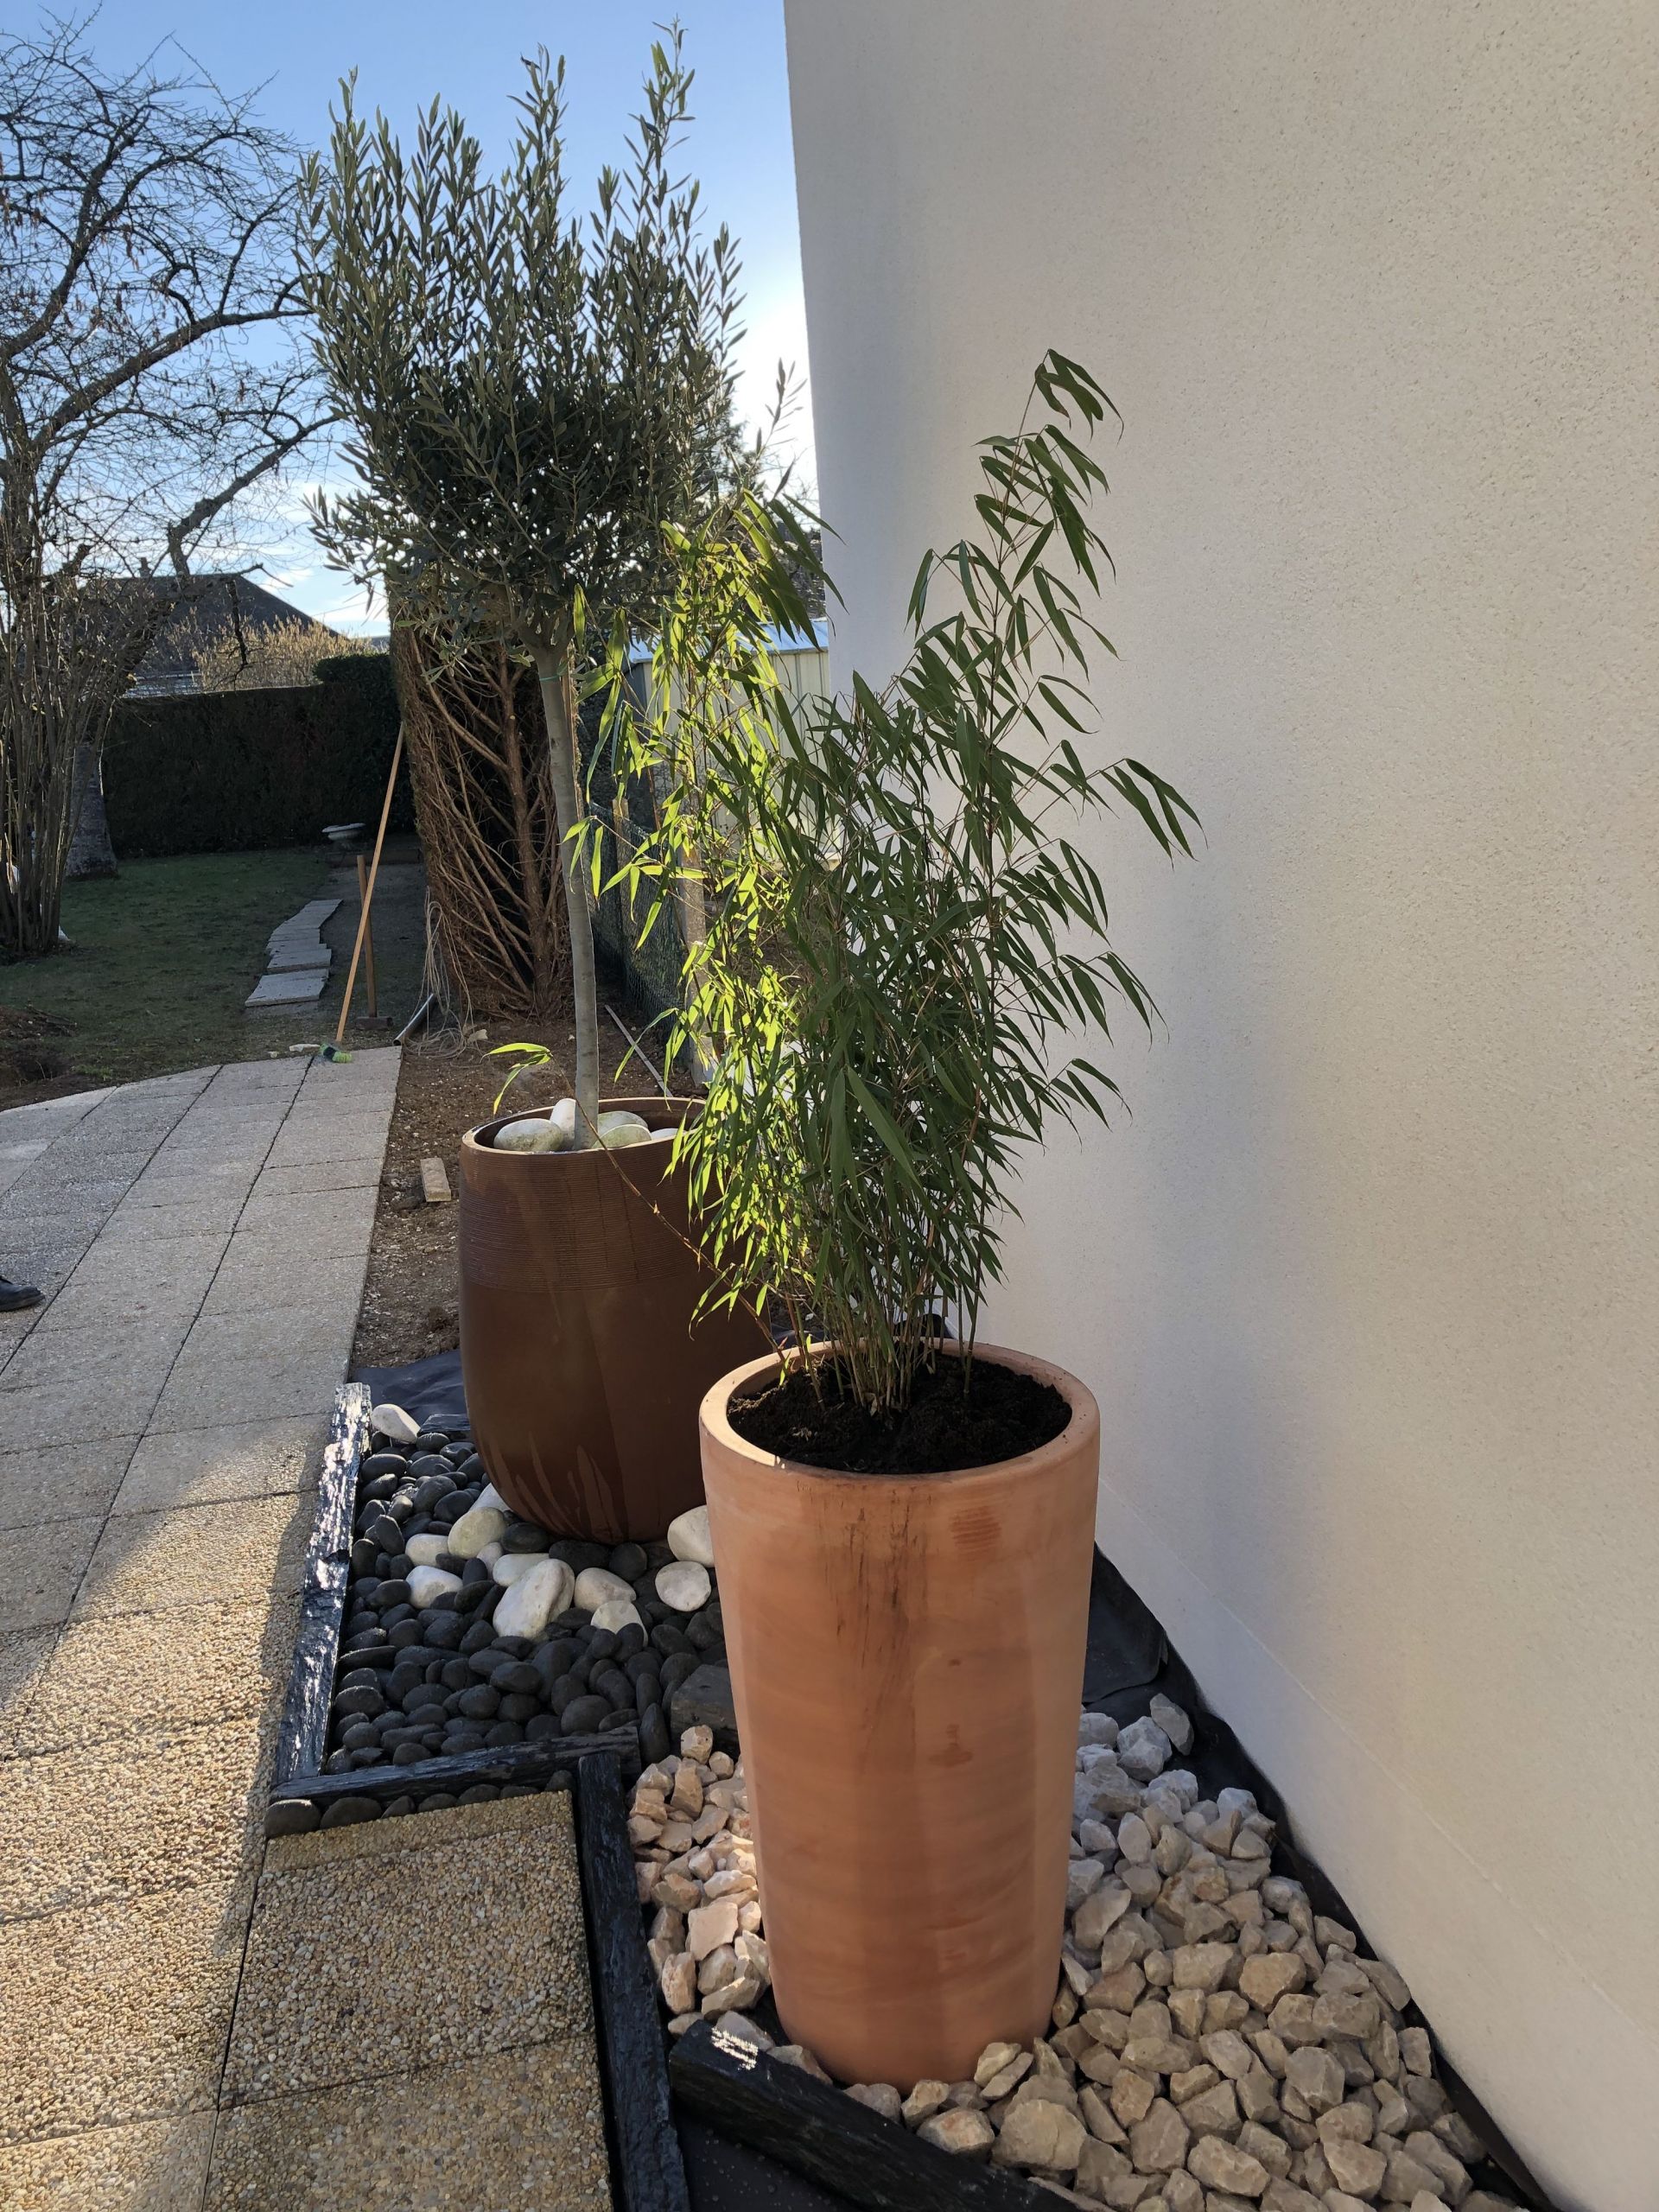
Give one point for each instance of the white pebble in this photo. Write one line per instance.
(510, 1566)
(617, 1613)
(684, 1585)
(426, 1551)
(482, 1525)
(597, 1586)
(394, 1424)
(426, 1583)
(690, 1538)
(534, 1599)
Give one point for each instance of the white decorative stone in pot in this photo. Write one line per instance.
(394, 1424)
(490, 1497)
(684, 1585)
(615, 1614)
(482, 1525)
(688, 1536)
(534, 1599)
(596, 1585)
(490, 1553)
(617, 1129)
(426, 1583)
(564, 1117)
(512, 1567)
(534, 1132)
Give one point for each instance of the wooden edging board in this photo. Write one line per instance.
(647, 2172)
(302, 1736)
(822, 2134)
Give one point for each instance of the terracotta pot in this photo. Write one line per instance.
(907, 1655)
(581, 1368)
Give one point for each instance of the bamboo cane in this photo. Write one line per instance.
(374, 866)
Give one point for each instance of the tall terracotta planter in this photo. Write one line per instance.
(907, 1657)
(583, 1371)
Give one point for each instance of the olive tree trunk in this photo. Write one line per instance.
(553, 670)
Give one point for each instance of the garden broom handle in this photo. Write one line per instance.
(363, 919)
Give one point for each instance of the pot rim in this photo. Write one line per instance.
(470, 1139)
(713, 1423)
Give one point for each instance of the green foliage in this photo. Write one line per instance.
(532, 400)
(239, 771)
(904, 947)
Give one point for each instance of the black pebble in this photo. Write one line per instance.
(339, 1762)
(577, 1556)
(526, 1536)
(553, 1659)
(503, 1731)
(403, 1612)
(565, 1691)
(397, 1808)
(364, 1555)
(602, 1644)
(449, 1510)
(477, 1636)
(463, 1736)
(517, 1707)
(654, 1742)
(481, 1793)
(382, 1463)
(432, 1491)
(404, 1635)
(385, 1533)
(393, 1592)
(399, 1566)
(372, 1656)
(363, 1700)
(542, 1726)
(586, 1716)
(480, 1703)
(516, 1647)
(628, 1560)
(456, 1674)
(647, 1691)
(678, 1669)
(619, 1690)
(292, 1816)
(441, 1630)
(409, 1754)
(437, 1800)
(459, 1452)
(430, 1439)
(571, 1622)
(474, 1572)
(668, 1639)
(630, 1641)
(516, 1679)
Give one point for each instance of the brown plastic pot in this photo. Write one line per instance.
(907, 1655)
(583, 1371)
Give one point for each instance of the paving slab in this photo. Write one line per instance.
(118, 2012)
(327, 2000)
(62, 1482)
(134, 1675)
(299, 958)
(136, 1353)
(90, 1407)
(361, 1174)
(24, 1657)
(518, 2129)
(306, 1139)
(239, 1552)
(311, 916)
(257, 1274)
(115, 1820)
(194, 1209)
(233, 1460)
(152, 2165)
(285, 1379)
(121, 1268)
(304, 986)
(44, 1567)
(307, 1216)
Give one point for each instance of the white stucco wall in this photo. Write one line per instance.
(1369, 1287)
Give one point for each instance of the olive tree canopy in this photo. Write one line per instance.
(535, 398)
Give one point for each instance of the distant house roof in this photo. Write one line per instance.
(220, 607)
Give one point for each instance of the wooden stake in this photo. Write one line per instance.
(374, 869)
(368, 939)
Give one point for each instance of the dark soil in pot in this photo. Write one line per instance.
(1000, 1415)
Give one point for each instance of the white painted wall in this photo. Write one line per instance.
(1369, 1287)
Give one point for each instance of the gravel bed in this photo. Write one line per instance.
(1216, 2045)
(467, 1630)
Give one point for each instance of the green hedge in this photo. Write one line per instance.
(228, 771)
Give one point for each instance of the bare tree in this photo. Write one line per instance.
(150, 377)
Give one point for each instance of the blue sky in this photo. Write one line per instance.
(406, 51)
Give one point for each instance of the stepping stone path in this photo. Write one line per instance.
(299, 961)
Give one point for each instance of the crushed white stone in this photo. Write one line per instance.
(1215, 2045)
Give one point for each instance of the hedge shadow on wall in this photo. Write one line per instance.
(230, 771)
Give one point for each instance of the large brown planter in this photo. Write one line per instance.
(583, 1371)
(907, 1656)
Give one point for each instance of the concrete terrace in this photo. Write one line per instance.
(190, 2019)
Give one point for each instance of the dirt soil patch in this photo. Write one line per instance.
(411, 1299)
(1000, 1416)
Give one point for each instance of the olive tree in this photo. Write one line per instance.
(533, 396)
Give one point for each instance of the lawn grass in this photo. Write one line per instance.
(163, 956)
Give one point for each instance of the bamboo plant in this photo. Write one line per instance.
(906, 951)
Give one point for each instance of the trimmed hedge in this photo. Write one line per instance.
(230, 771)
